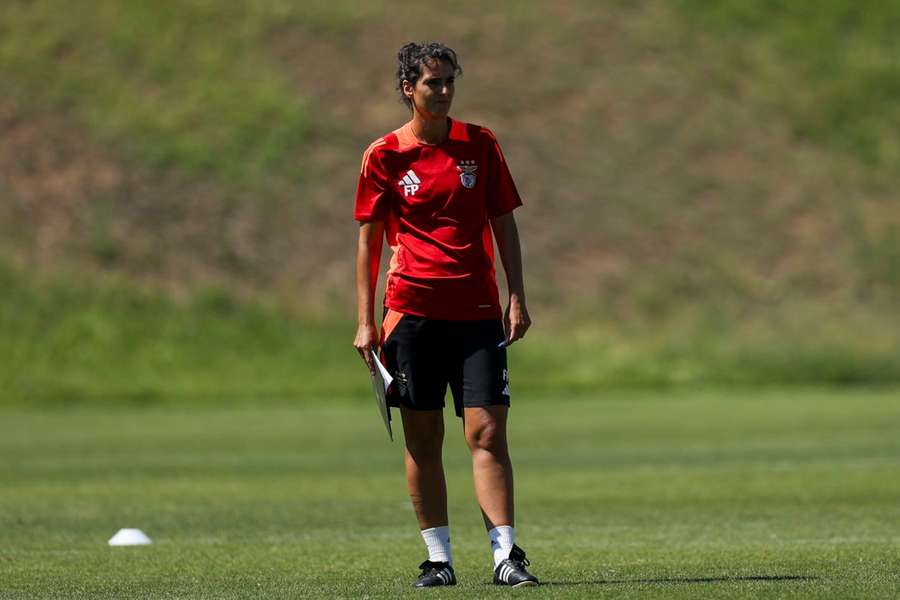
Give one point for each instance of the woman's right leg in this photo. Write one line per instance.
(423, 431)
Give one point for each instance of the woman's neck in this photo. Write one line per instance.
(429, 131)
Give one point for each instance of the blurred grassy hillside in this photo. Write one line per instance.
(67, 341)
(710, 188)
(833, 66)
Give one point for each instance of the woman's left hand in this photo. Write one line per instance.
(516, 320)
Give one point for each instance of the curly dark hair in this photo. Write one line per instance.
(413, 55)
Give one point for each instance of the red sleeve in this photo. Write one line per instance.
(372, 193)
(502, 194)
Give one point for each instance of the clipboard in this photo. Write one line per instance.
(381, 381)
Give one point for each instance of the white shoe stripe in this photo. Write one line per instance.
(504, 573)
(413, 176)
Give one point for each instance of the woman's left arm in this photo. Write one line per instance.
(515, 320)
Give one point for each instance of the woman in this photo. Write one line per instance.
(437, 188)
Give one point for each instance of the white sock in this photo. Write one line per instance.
(437, 540)
(502, 539)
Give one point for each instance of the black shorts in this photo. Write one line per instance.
(426, 355)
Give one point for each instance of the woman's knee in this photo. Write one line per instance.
(487, 434)
(423, 447)
(424, 434)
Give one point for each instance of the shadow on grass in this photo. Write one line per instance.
(660, 580)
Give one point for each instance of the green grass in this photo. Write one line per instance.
(185, 85)
(833, 65)
(652, 200)
(103, 342)
(68, 341)
(778, 494)
(190, 84)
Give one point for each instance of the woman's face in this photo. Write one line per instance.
(433, 92)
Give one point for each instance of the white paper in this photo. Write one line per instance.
(386, 378)
(381, 381)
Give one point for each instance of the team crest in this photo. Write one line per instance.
(467, 170)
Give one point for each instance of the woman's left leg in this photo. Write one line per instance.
(485, 430)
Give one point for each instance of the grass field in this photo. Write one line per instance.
(775, 494)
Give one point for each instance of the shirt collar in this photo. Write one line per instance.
(458, 131)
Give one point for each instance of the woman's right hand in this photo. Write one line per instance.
(367, 339)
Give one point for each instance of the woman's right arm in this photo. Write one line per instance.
(368, 261)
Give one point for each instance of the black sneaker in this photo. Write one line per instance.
(512, 571)
(435, 573)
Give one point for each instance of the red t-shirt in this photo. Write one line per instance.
(436, 202)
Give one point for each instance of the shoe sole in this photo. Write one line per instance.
(419, 587)
(525, 584)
